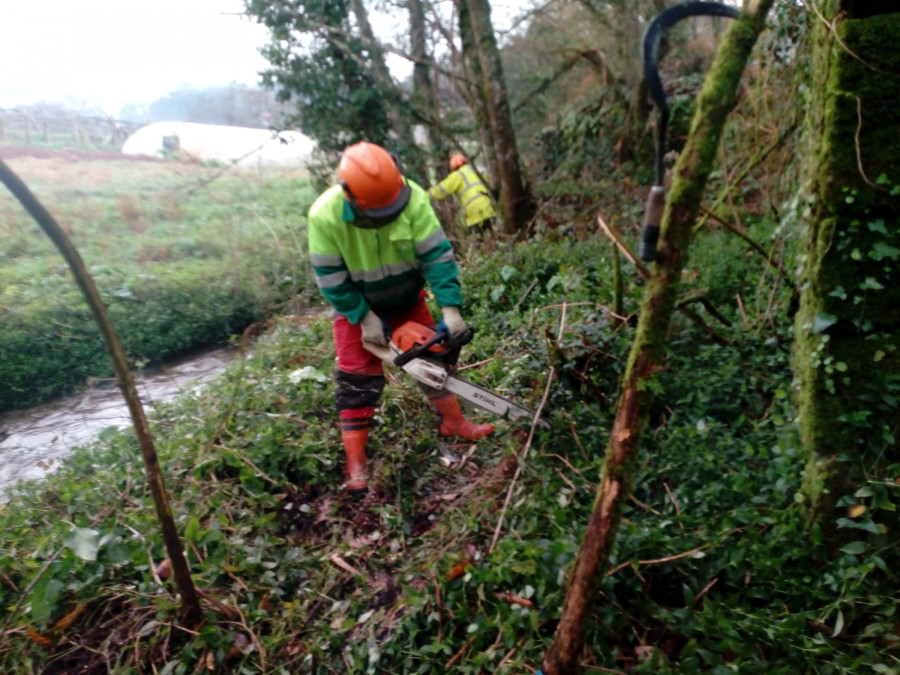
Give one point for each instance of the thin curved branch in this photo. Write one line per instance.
(191, 612)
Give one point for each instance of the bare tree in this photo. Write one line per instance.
(425, 93)
(401, 115)
(473, 77)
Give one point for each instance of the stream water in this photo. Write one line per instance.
(33, 440)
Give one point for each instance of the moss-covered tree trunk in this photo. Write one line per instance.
(847, 332)
(472, 70)
(647, 356)
(516, 201)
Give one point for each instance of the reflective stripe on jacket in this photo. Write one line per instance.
(380, 268)
(473, 194)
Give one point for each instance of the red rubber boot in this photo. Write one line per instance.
(355, 438)
(446, 409)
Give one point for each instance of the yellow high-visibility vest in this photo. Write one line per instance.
(473, 194)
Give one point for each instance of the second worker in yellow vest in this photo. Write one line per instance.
(472, 193)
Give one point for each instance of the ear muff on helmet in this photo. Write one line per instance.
(371, 179)
(348, 193)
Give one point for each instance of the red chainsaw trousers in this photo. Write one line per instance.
(360, 376)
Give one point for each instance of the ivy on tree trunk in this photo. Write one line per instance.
(847, 331)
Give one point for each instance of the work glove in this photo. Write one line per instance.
(452, 323)
(373, 329)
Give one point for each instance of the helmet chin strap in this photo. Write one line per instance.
(362, 219)
(366, 222)
(348, 193)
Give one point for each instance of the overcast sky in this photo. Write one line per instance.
(111, 52)
(105, 53)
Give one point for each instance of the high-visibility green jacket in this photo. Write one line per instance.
(473, 195)
(381, 268)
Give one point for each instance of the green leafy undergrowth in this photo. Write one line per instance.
(456, 560)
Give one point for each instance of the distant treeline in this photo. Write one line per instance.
(234, 105)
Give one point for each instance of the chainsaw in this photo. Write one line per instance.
(430, 357)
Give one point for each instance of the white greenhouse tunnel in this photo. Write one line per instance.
(209, 142)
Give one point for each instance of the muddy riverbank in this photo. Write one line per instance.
(34, 440)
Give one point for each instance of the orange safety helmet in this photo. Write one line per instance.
(372, 181)
(457, 161)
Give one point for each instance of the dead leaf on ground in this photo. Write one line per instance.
(239, 647)
(459, 569)
(69, 618)
(37, 638)
(164, 570)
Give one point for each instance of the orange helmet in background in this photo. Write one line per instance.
(372, 181)
(457, 161)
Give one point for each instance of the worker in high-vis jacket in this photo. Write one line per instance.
(374, 243)
(473, 195)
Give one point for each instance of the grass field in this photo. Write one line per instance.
(184, 254)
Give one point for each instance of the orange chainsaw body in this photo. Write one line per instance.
(411, 335)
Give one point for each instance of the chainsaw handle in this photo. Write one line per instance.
(453, 342)
(460, 339)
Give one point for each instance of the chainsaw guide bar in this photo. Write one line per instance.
(439, 375)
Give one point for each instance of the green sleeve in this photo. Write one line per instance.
(435, 253)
